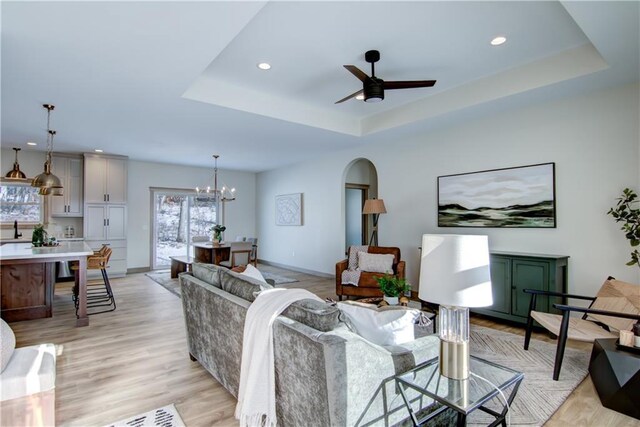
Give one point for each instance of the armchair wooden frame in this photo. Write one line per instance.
(563, 331)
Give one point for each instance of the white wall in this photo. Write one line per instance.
(240, 215)
(593, 139)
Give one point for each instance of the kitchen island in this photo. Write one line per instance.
(27, 277)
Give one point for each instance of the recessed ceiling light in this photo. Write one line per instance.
(497, 41)
(360, 97)
(31, 143)
(97, 150)
(264, 66)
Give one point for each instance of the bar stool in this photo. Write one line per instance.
(98, 294)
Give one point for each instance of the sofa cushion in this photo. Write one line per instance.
(240, 285)
(209, 273)
(315, 314)
(7, 344)
(376, 263)
(389, 325)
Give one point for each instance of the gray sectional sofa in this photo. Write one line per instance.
(326, 375)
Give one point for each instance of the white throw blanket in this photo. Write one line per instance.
(351, 276)
(257, 393)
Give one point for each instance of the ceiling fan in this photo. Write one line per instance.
(373, 87)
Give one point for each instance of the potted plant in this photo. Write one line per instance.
(217, 232)
(39, 235)
(392, 287)
(629, 216)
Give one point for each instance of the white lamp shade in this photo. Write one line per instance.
(454, 270)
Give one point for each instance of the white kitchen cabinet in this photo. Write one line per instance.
(105, 179)
(105, 208)
(70, 172)
(105, 222)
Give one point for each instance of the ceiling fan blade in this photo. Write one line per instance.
(357, 72)
(408, 84)
(353, 95)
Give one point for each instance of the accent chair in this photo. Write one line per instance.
(616, 307)
(367, 284)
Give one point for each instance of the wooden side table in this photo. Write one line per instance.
(616, 375)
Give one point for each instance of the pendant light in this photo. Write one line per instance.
(49, 184)
(16, 174)
(226, 194)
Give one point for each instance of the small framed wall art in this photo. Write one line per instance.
(518, 197)
(289, 209)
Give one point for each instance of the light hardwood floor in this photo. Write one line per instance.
(135, 359)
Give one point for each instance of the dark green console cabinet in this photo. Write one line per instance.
(512, 272)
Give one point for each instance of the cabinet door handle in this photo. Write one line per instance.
(104, 222)
(108, 197)
(104, 197)
(107, 222)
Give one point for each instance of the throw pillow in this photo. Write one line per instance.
(251, 271)
(389, 325)
(7, 344)
(375, 263)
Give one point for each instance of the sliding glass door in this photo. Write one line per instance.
(178, 217)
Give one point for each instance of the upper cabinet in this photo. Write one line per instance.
(69, 170)
(105, 179)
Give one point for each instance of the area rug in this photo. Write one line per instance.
(539, 396)
(163, 278)
(279, 280)
(165, 417)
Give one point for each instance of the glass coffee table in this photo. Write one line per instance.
(462, 396)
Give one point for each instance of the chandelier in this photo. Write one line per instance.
(48, 183)
(225, 194)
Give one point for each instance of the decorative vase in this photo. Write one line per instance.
(391, 300)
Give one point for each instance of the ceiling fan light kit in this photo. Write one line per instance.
(373, 87)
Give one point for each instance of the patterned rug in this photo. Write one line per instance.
(165, 417)
(163, 278)
(539, 396)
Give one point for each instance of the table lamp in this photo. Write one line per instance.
(374, 207)
(454, 272)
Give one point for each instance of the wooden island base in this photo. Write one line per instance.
(27, 291)
(27, 277)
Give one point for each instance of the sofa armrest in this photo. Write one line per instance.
(340, 267)
(401, 267)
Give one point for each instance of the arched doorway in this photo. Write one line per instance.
(360, 184)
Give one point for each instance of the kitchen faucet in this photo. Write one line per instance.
(16, 235)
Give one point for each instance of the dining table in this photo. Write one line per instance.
(211, 253)
(27, 275)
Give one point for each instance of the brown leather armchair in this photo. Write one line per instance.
(367, 286)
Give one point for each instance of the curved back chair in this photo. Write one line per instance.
(98, 294)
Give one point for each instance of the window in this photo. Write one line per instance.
(20, 202)
(179, 216)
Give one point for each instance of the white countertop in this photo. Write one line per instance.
(11, 251)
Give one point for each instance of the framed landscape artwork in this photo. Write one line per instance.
(289, 209)
(518, 197)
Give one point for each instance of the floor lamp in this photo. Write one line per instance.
(374, 207)
(454, 272)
